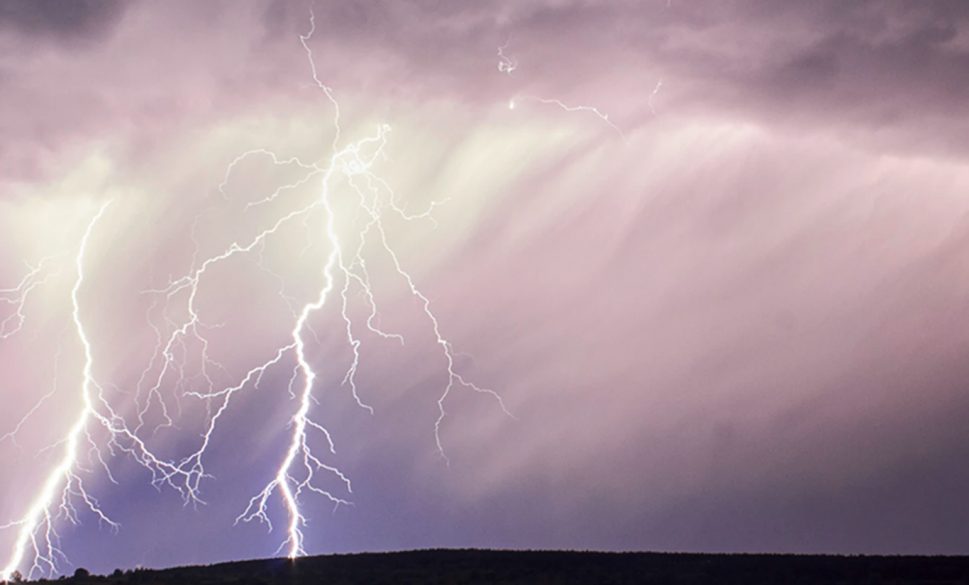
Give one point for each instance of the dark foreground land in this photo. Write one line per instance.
(472, 567)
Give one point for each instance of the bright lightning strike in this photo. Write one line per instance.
(63, 491)
(36, 528)
(181, 365)
(297, 471)
(299, 458)
(63, 495)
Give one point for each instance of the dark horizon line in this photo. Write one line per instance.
(577, 551)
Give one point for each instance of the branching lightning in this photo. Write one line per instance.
(356, 168)
(181, 366)
(15, 298)
(12, 434)
(63, 494)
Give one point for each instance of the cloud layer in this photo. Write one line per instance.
(735, 327)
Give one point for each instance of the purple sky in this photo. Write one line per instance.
(735, 324)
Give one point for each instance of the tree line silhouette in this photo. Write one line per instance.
(473, 567)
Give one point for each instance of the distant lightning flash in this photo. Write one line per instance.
(652, 96)
(591, 109)
(506, 64)
(16, 298)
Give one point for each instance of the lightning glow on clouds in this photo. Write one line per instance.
(36, 547)
(708, 258)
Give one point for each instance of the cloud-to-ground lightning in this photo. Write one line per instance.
(181, 366)
(36, 529)
(353, 164)
(63, 490)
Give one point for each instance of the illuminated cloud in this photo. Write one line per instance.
(737, 326)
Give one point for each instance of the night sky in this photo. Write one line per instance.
(711, 255)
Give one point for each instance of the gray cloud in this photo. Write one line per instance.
(65, 20)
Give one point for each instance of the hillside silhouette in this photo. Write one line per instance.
(473, 567)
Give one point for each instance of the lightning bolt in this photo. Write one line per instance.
(289, 486)
(63, 491)
(297, 472)
(181, 366)
(299, 456)
(37, 526)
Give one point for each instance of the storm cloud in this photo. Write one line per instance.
(739, 326)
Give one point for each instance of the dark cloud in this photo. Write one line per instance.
(68, 20)
(897, 69)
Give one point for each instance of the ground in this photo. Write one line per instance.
(471, 567)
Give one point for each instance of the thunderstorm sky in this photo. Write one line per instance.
(738, 323)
